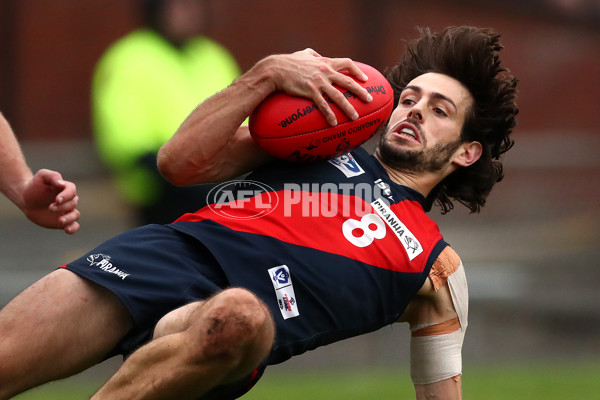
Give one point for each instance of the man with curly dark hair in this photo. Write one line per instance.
(202, 306)
(470, 56)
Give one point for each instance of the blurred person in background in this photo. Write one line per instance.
(143, 87)
(45, 198)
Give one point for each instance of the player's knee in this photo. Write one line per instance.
(234, 325)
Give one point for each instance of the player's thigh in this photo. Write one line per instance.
(64, 321)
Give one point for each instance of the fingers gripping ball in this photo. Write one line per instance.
(292, 128)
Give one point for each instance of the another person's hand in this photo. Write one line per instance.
(51, 202)
(305, 73)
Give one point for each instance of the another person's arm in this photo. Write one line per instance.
(212, 144)
(45, 198)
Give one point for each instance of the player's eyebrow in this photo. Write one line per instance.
(435, 95)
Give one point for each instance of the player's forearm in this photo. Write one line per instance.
(212, 132)
(14, 172)
(448, 389)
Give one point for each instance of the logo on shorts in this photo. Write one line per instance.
(284, 290)
(102, 261)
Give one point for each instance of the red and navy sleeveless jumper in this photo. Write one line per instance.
(335, 249)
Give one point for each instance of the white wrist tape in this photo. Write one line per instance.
(436, 355)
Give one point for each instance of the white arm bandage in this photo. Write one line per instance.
(436, 355)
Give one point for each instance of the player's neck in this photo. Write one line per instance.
(422, 182)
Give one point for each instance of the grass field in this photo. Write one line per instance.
(523, 382)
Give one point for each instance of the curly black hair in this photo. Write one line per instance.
(471, 56)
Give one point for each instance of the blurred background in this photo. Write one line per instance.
(532, 256)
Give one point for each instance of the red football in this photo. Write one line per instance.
(292, 128)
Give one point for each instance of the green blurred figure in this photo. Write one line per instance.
(143, 88)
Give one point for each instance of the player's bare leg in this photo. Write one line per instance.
(196, 348)
(57, 327)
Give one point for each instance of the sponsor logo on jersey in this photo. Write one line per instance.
(409, 241)
(385, 188)
(284, 290)
(102, 261)
(242, 199)
(347, 164)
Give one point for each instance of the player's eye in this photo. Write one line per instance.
(408, 101)
(440, 112)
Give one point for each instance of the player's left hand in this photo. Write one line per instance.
(51, 202)
(307, 74)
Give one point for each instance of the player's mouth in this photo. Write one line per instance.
(407, 131)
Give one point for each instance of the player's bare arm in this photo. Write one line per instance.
(437, 335)
(431, 308)
(212, 144)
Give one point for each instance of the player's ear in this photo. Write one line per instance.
(467, 153)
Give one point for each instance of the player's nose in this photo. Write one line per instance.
(416, 113)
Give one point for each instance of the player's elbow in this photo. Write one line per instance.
(172, 167)
(164, 162)
(183, 170)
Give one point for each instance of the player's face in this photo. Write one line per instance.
(425, 128)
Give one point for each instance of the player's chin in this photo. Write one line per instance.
(396, 155)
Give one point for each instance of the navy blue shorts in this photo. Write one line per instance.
(153, 270)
